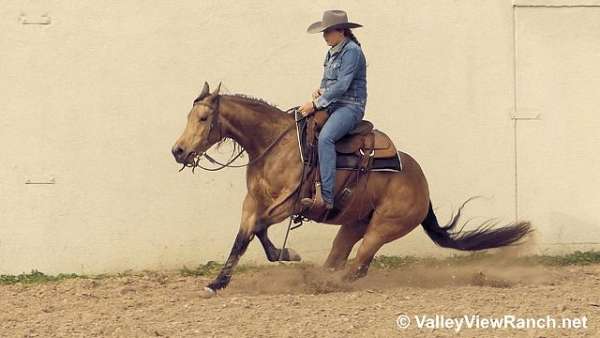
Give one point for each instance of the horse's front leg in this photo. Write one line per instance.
(248, 227)
(275, 254)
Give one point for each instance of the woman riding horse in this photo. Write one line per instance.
(343, 92)
(399, 202)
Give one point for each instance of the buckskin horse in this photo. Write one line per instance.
(399, 200)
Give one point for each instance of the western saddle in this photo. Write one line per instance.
(362, 150)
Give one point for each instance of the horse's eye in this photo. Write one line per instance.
(203, 118)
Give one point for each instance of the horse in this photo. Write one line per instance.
(400, 200)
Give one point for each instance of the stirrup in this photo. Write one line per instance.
(312, 203)
(317, 201)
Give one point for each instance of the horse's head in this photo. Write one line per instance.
(202, 129)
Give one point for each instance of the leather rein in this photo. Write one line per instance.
(195, 163)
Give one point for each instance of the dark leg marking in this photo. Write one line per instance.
(272, 252)
(239, 247)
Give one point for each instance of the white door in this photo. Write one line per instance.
(558, 153)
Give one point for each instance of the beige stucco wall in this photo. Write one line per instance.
(94, 100)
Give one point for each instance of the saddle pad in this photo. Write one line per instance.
(301, 126)
(351, 162)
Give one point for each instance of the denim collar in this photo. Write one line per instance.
(337, 48)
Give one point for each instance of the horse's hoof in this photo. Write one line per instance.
(208, 292)
(349, 278)
(352, 275)
(293, 255)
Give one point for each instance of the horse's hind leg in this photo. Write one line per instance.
(379, 231)
(344, 241)
(274, 254)
(366, 251)
(401, 204)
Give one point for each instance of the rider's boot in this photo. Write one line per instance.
(318, 202)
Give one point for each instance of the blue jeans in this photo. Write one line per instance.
(343, 118)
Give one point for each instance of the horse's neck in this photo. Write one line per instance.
(252, 127)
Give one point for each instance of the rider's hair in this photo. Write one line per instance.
(348, 33)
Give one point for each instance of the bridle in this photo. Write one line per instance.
(215, 124)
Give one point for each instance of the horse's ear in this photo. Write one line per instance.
(205, 90)
(216, 92)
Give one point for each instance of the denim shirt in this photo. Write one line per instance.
(345, 75)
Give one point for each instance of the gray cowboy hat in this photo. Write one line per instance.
(334, 18)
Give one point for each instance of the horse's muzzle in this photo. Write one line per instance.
(181, 156)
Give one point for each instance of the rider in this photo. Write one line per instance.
(343, 92)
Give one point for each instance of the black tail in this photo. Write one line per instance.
(486, 236)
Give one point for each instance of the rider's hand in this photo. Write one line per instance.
(306, 109)
(316, 93)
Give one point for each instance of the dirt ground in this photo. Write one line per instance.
(304, 301)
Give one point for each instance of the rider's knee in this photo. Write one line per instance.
(325, 139)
